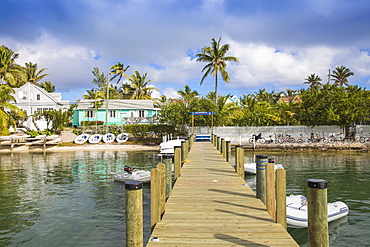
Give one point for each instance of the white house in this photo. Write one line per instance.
(32, 98)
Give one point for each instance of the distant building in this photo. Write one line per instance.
(32, 98)
(292, 99)
(120, 112)
(233, 99)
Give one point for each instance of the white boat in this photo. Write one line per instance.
(297, 211)
(109, 138)
(168, 147)
(81, 139)
(123, 137)
(251, 167)
(130, 175)
(96, 138)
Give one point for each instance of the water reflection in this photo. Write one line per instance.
(68, 197)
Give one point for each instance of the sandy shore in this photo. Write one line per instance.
(85, 147)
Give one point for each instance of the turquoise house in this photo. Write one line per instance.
(120, 112)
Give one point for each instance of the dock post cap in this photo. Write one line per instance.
(238, 146)
(133, 185)
(317, 183)
(177, 147)
(228, 141)
(261, 156)
(271, 160)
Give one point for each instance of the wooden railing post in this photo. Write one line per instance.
(167, 160)
(318, 234)
(218, 145)
(239, 161)
(281, 197)
(155, 216)
(177, 162)
(183, 151)
(270, 189)
(223, 145)
(162, 188)
(261, 161)
(134, 214)
(228, 151)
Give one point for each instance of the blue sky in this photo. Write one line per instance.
(278, 43)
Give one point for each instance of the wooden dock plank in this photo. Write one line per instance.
(211, 206)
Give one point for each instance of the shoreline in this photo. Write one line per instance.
(84, 147)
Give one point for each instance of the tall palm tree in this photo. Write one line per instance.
(313, 80)
(186, 93)
(6, 96)
(215, 57)
(340, 75)
(47, 86)
(9, 70)
(140, 84)
(118, 71)
(32, 74)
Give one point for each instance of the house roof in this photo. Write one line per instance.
(85, 104)
(294, 99)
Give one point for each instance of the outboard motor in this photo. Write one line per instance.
(128, 169)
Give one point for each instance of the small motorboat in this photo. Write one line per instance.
(132, 175)
(94, 139)
(251, 167)
(297, 211)
(109, 138)
(81, 139)
(123, 137)
(168, 147)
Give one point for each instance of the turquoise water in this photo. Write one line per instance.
(70, 199)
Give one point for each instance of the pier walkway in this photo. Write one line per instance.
(211, 206)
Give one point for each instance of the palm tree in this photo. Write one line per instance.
(6, 96)
(340, 75)
(9, 70)
(32, 75)
(215, 57)
(140, 84)
(118, 70)
(314, 81)
(47, 86)
(186, 93)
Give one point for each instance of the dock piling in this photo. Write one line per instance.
(318, 234)
(270, 189)
(261, 161)
(281, 197)
(134, 213)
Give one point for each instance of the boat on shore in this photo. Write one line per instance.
(123, 137)
(96, 138)
(81, 139)
(297, 214)
(108, 138)
(132, 175)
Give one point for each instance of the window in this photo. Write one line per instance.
(89, 114)
(24, 96)
(113, 114)
(38, 96)
(141, 113)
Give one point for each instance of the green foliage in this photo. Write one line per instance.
(143, 131)
(91, 123)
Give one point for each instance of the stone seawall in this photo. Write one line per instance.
(362, 147)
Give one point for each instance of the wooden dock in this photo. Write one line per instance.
(211, 206)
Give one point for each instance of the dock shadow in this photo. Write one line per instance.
(236, 240)
(233, 193)
(245, 215)
(239, 205)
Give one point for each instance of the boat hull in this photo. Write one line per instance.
(142, 176)
(297, 213)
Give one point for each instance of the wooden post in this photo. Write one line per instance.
(134, 213)
(270, 189)
(187, 145)
(228, 151)
(281, 197)
(167, 160)
(162, 187)
(218, 144)
(154, 197)
(239, 161)
(261, 161)
(223, 145)
(177, 162)
(183, 151)
(318, 234)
